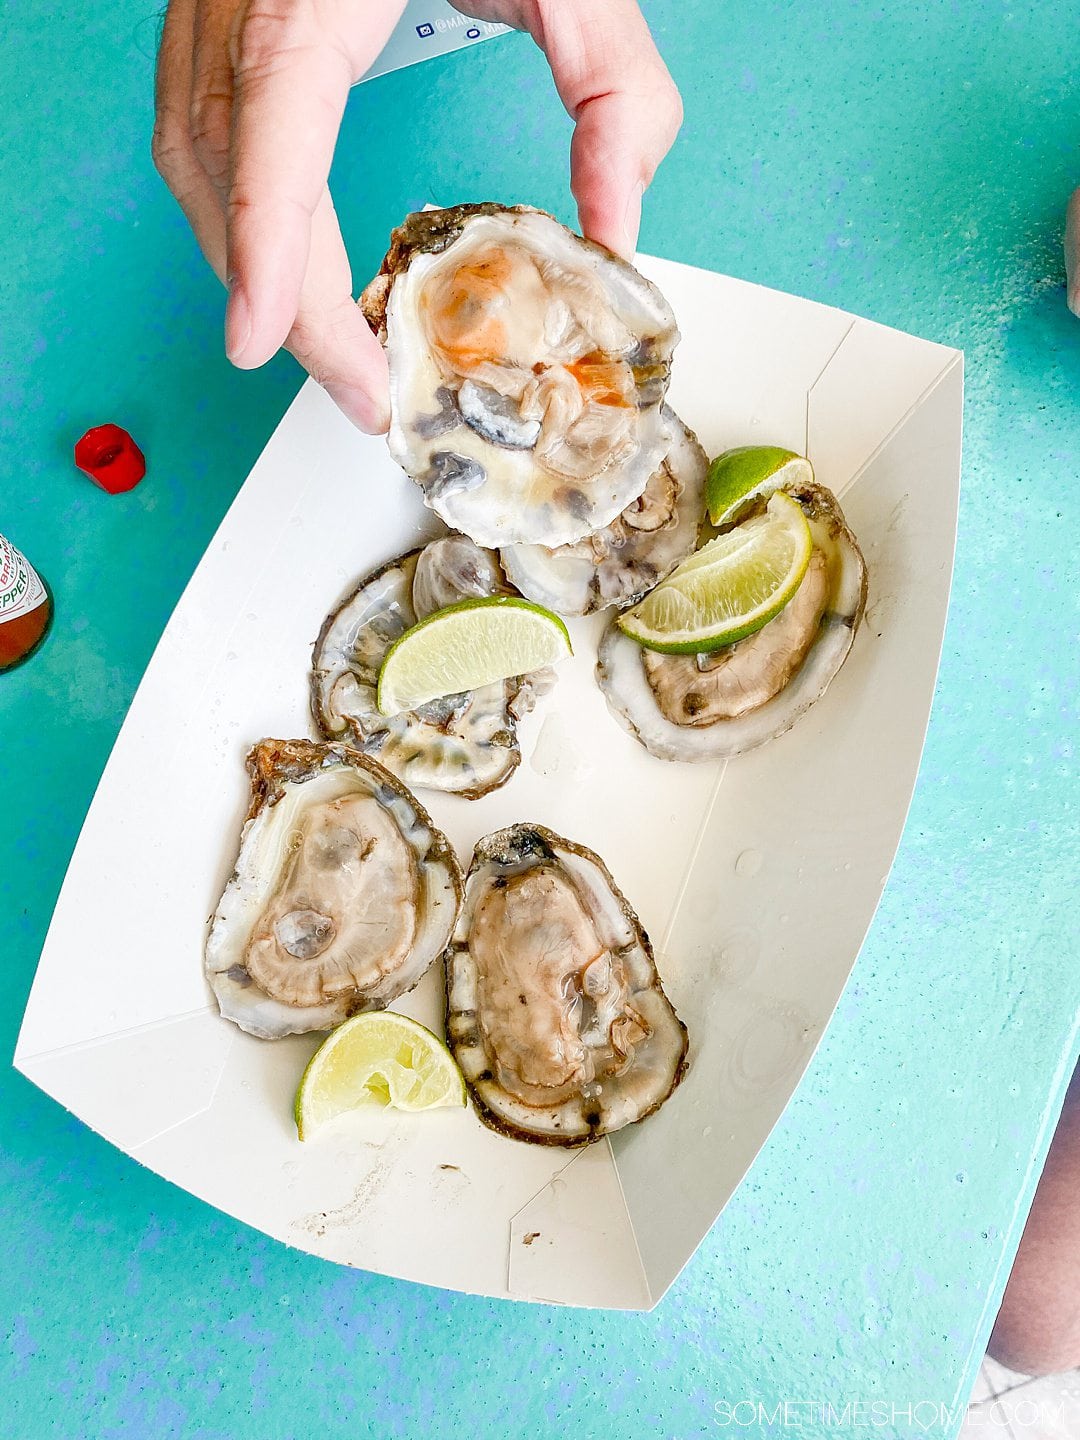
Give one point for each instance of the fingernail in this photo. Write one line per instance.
(632, 219)
(366, 413)
(237, 323)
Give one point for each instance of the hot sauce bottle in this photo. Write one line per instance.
(25, 607)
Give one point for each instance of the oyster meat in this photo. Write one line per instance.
(555, 1011)
(621, 563)
(464, 743)
(710, 706)
(528, 369)
(343, 893)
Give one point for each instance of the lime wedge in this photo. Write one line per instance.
(379, 1058)
(470, 644)
(751, 471)
(730, 587)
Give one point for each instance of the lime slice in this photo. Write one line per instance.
(730, 587)
(470, 644)
(379, 1058)
(740, 476)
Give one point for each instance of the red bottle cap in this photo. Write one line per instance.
(111, 458)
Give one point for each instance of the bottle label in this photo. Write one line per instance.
(20, 589)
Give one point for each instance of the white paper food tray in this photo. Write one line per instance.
(757, 880)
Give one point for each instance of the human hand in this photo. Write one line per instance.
(250, 96)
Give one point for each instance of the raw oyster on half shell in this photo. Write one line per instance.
(528, 369)
(555, 1011)
(343, 894)
(621, 563)
(466, 743)
(715, 705)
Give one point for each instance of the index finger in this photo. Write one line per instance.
(293, 61)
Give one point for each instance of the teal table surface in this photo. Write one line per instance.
(907, 162)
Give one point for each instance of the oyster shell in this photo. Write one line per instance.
(555, 1011)
(711, 706)
(621, 563)
(343, 893)
(464, 743)
(527, 372)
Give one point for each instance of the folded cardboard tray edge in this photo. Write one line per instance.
(57, 1070)
(84, 1077)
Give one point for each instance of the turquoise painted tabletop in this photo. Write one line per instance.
(910, 163)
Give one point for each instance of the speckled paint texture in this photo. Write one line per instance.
(910, 163)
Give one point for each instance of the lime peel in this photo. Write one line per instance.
(748, 473)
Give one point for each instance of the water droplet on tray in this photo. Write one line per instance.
(749, 863)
